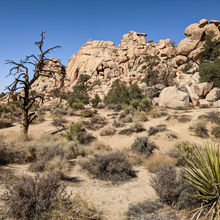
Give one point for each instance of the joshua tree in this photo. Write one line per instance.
(24, 78)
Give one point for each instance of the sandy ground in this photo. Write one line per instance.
(114, 200)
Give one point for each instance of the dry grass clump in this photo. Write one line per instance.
(31, 197)
(200, 129)
(98, 146)
(156, 129)
(53, 155)
(142, 145)
(108, 131)
(157, 160)
(114, 167)
(184, 118)
(79, 208)
(11, 153)
(142, 209)
(216, 131)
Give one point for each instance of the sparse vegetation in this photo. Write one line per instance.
(142, 209)
(95, 101)
(200, 129)
(114, 167)
(158, 128)
(31, 197)
(142, 145)
(216, 131)
(108, 131)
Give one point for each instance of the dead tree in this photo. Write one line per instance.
(24, 78)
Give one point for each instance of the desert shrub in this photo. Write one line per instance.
(126, 119)
(59, 121)
(216, 131)
(213, 117)
(135, 128)
(95, 101)
(166, 184)
(95, 123)
(210, 72)
(30, 197)
(122, 94)
(79, 96)
(77, 105)
(5, 123)
(158, 128)
(145, 104)
(212, 48)
(142, 209)
(182, 151)
(80, 208)
(108, 131)
(200, 129)
(117, 124)
(127, 109)
(203, 175)
(112, 166)
(140, 116)
(157, 160)
(87, 113)
(142, 145)
(10, 111)
(184, 118)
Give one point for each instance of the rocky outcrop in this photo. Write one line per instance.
(130, 62)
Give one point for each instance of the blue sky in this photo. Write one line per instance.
(70, 23)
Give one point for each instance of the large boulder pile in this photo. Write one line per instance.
(174, 71)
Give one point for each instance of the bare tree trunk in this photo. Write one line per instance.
(24, 124)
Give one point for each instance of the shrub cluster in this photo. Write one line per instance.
(131, 96)
(31, 197)
(142, 145)
(112, 166)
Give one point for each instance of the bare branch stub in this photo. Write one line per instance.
(23, 80)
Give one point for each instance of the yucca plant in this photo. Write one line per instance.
(203, 174)
(73, 130)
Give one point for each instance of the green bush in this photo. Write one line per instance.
(210, 72)
(79, 93)
(96, 101)
(122, 94)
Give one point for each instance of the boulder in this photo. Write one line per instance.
(180, 60)
(196, 54)
(193, 96)
(190, 29)
(212, 28)
(213, 95)
(153, 91)
(216, 22)
(216, 104)
(155, 101)
(186, 45)
(202, 89)
(203, 23)
(173, 98)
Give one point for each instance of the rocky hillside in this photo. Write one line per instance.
(154, 66)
